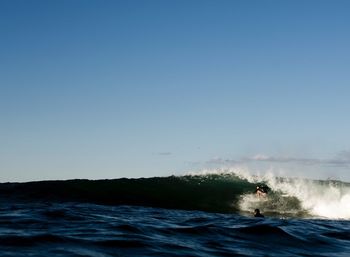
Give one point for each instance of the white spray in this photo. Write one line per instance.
(326, 199)
(322, 199)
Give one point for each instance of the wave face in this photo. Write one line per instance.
(223, 192)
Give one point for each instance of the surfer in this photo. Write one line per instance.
(257, 214)
(261, 191)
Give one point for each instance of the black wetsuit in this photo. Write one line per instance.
(258, 215)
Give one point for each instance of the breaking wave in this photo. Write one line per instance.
(294, 196)
(223, 191)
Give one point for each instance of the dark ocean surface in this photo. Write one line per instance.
(214, 221)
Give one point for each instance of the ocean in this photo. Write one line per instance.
(200, 215)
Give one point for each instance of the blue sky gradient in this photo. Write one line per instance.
(105, 89)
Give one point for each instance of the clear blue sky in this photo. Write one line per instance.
(107, 89)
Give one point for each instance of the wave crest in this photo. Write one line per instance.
(220, 190)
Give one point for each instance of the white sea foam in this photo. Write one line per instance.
(323, 199)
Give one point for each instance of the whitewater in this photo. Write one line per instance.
(329, 199)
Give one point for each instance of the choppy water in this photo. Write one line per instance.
(201, 215)
(76, 229)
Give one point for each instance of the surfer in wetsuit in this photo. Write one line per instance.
(261, 191)
(257, 214)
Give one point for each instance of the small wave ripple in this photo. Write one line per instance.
(76, 229)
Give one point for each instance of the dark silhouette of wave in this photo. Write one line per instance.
(213, 193)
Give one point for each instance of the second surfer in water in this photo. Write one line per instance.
(258, 214)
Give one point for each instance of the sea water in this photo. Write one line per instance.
(194, 215)
(77, 229)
